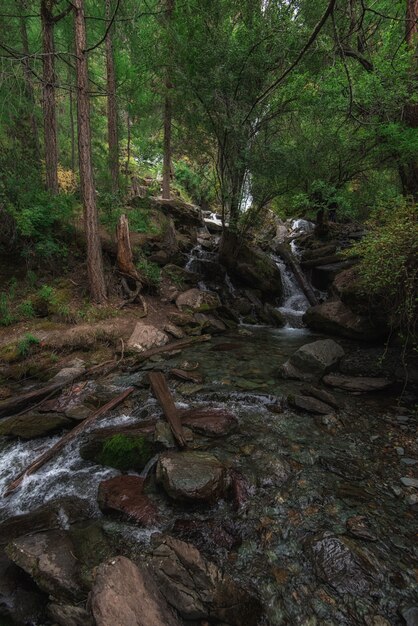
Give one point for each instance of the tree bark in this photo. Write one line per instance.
(124, 259)
(29, 83)
(168, 113)
(88, 193)
(48, 97)
(112, 112)
(409, 172)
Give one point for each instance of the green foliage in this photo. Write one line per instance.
(26, 345)
(388, 272)
(126, 453)
(6, 317)
(26, 310)
(197, 182)
(150, 271)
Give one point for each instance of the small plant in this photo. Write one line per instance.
(26, 345)
(6, 318)
(26, 310)
(150, 271)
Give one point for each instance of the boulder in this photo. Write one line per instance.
(198, 301)
(145, 337)
(31, 425)
(323, 276)
(191, 476)
(180, 276)
(49, 516)
(210, 323)
(174, 330)
(123, 495)
(320, 394)
(336, 318)
(313, 360)
(182, 318)
(197, 589)
(49, 559)
(124, 451)
(357, 383)
(210, 422)
(344, 566)
(126, 595)
(182, 212)
(74, 369)
(309, 404)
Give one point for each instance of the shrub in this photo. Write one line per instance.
(388, 271)
(26, 310)
(150, 271)
(6, 318)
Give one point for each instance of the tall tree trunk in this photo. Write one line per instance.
(128, 148)
(167, 114)
(112, 113)
(29, 83)
(48, 99)
(88, 193)
(409, 173)
(72, 132)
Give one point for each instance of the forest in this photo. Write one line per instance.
(208, 312)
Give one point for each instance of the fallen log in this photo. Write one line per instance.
(189, 376)
(299, 275)
(49, 454)
(164, 397)
(171, 347)
(325, 260)
(24, 402)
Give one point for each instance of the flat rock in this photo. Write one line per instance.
(191, 476)
(336, 318)
(356, 383)
(210, 323)
(344, 566)
(408, 481)
(174, 330)
(313, 360)
(126, 595)
(197, 589)
(145, 337)
(210, 422)
(320, 394)
(198, 301)
(309, 404)
(358, 527)
(32, 425)
(123, 494)
(49, 559)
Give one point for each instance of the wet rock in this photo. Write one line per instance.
(335, 318)
(274, 316)
(78, 412)
(408, 481)
(210, 422)
(123, 451)
(208, 535)
(181, 318)
(174, 330)
(356, 383)
(311, 405)
(69, 615)
(313, 360)
(49, 559)
(54, 514)
(347, 468)
(125, 594)
(32, 425)
(410, 615)
(210, 323)
(278, 471)
(198, 301)
(197, 589)
(344, 566)
(191, 476)
(321, 394)
(123, 495)
(21, 601)
(358, 527)
(240, 489)
(145, 337)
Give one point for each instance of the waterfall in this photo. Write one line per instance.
(295, 302)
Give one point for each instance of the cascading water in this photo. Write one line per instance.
(295, 302)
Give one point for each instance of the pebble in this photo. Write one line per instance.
(400, 451)
(408, 461)
(409, 482)
(412, 499)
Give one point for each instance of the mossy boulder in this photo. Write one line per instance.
(33, 425)
(121, 451)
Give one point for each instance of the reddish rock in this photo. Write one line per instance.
(240, 489)
(123, 494)
(210, 422)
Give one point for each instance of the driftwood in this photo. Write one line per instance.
(49, 454)
(171, 347)
(26, 401)
(164, 397)
(299, 275)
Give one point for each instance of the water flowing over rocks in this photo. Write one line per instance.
(313, 360)
(191, 476)
(123, 494)
(197, 589)
(125, 594)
